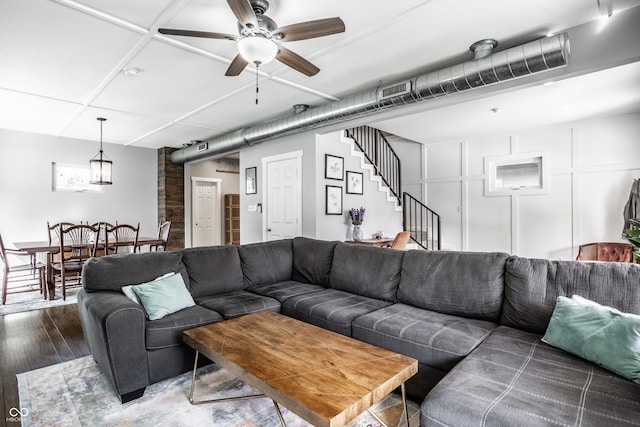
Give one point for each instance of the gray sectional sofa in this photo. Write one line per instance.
(474, 321)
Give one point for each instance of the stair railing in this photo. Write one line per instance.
(380, 155)
(421, 222)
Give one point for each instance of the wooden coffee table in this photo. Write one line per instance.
(324, 377)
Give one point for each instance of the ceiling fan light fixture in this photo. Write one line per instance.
(257, 49)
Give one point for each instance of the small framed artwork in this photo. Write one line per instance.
(251, 180)
(354, 182)
(333, 167)
(333, 200)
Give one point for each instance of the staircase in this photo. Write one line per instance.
(422, 222)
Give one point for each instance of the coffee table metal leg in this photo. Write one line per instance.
(404, 407)
(225, 399)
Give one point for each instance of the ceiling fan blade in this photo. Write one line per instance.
(309, 30)
(297, 62)
(244, 13)
(237, 66)
(203, 34)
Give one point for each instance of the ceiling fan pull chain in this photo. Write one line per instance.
(257, 75)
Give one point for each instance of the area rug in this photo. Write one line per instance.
(75, 393)
(27, 301)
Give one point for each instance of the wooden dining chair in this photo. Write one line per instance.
(80, 243)
(22, 277)
(401, 240)
(122, 237)
(163, 234)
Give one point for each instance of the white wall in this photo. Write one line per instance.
(27, 201)
(593, 164)
(379, 214)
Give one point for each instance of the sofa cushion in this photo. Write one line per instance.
(435, 339)
(312, 260)
(600, 334)
(366, 271)
(285, 290)
(330, 309)
(514, 379)
(266, 263)
(469, 284)
(238, 303)
(111, 273)
(213, 270)
(164, 295)
(167, 332)
(533, 285)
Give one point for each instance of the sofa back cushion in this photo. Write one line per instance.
(267, 262)
(312, 260)
(468, 284)
(366, 271)
(213, 270)
(533, 285)
(111, 273)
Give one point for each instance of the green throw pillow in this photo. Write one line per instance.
(163, 296)
(600, 334)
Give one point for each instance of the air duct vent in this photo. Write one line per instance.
(203, 147)
(399, 89)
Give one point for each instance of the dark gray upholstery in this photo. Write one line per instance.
(167, 332)
(284, 290)
(514, 379)
(213, 270)
(468, 284)
(441, 308)
(238, 303)
(371, 272)
(266, 263)
(113, 272)
(435, 339)
(312, 260)
(330, 309)
(532, 286)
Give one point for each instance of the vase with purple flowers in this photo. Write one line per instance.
(357, 217)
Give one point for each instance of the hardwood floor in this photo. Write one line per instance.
(32, 340)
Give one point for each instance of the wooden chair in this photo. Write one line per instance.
(401, 240)
(603, 251)
(125, 237)
(78, 243)
(163, 234)
(26, 277)
(103, 231)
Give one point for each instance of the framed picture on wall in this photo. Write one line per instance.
(333, 167)
(251, 180)
(333, 200)
(354, 182)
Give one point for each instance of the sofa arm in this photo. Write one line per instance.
(114, 328)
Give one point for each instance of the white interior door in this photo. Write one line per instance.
(205, 227)
(283, 205)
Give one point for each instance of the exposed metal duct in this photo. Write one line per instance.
(486, 69)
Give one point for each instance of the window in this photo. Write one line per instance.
(516, 174)
(69, 177)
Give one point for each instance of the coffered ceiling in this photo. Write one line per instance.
(62, 62)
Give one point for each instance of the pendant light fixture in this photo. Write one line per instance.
(100, 165)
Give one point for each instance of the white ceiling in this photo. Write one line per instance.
(61, 66)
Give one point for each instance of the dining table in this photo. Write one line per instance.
(50, 249)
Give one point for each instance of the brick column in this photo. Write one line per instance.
(171, 197)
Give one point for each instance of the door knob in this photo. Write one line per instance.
(268, 230)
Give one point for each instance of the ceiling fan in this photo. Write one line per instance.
(259, 37)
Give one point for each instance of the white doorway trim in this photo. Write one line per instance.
(297, 155)
(216, 209)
